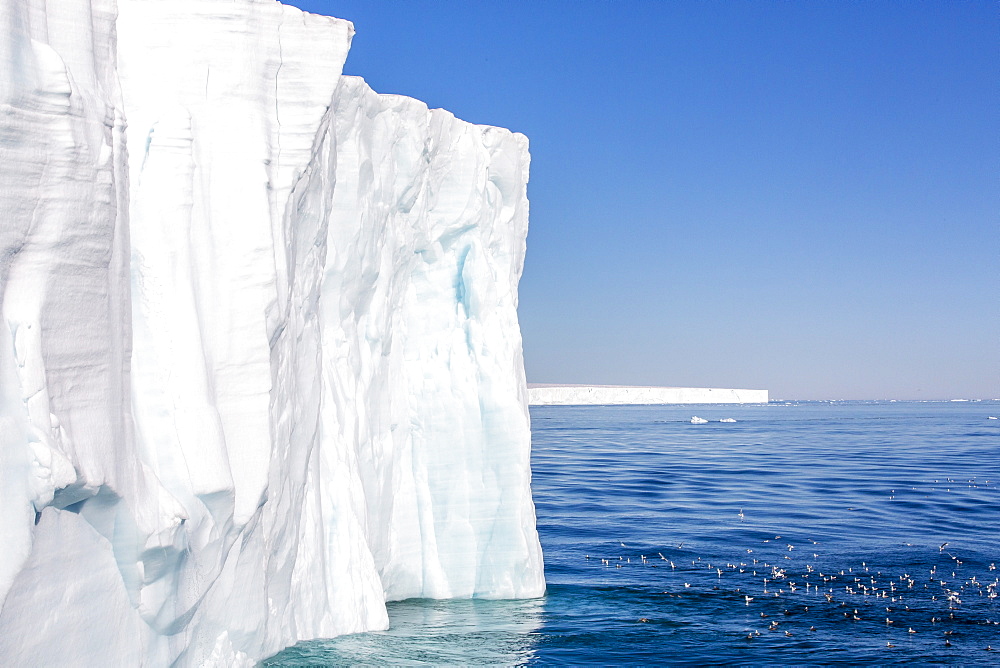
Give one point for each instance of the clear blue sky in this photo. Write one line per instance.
(797, 196)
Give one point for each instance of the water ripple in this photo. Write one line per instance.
(800, 534)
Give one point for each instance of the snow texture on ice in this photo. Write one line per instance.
(260, 368)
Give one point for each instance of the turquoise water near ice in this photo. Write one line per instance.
(848, 525)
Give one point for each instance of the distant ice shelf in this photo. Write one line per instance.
(541, 394)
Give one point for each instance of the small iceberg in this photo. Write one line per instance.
(698, 420)
(727, 420)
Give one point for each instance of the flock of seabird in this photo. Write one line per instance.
(932, 600)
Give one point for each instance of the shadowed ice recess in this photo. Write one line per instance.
(804, 532)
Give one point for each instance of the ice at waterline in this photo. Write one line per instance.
(261, 365)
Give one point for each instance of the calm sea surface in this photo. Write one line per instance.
(801, 533)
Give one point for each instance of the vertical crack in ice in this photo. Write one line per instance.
(461, 291)
(277, 97)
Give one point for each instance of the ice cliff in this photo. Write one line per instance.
(260, 366)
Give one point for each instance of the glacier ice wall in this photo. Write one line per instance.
(425, 393)
(65, 421)
(260, 366)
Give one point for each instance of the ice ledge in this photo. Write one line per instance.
(542, 394)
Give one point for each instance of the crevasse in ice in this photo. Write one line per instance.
(260, 367)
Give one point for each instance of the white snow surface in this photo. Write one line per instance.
(260, 366)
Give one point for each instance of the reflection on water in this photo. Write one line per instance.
(438, 632)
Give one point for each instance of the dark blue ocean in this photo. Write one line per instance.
(848, 532)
